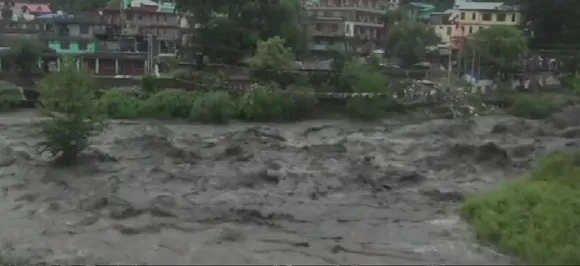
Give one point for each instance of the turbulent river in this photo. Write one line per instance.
(316, 192)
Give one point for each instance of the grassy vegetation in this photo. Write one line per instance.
(538, 106)
(536, 218)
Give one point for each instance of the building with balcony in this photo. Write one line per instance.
(471, 17)
(148, 17)
(13, 11)
(354, 25)
(101, 47)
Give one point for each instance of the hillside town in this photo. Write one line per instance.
(281, 132)
(122, 37)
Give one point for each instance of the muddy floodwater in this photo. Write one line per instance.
(304, 193)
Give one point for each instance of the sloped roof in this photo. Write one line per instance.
(40, 8)
(468, 5)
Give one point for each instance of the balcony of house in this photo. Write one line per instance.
(370, 6)
(19, 27)
(328, 27)
(489, 18)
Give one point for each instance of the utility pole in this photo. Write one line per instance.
(472, 74)
(150, 55)
(449, 66)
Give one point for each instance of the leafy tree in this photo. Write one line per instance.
(500, 46)
(230, 29)
(273, 62)
(408, 41)
(372, 98)
(23, 55)
(68, 100)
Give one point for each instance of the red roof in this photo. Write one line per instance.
(35, 8)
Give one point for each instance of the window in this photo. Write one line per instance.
(462, 15)
(140, 17)
(470, 29)
(501, 17)
(65, 45)
(449, 31)
(462, 29)
(129, 16)
(513, 17)
(473, 16)
(318, 27)
(334, 27)
(486, 17)
(84, 29)
(83, 45)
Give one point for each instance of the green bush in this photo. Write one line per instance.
(119, 104)
(304, 99)
(150, 85)
(11, 97)
(213, 107)
(537, 106)
(536, 218)
(373, 98)
(263, 103)
(170, 103)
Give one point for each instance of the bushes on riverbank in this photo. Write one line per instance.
(535, 218)
(538, 106)
(261, 104)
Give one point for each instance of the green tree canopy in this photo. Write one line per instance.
(408, 41)
(237, 25)
(500, 46)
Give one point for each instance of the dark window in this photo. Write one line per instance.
(473, 16)
(462, 15)
(501, 17)
(65, 45)
(84, 29)
(140, 17)
(470, 29)
(83, 45)
(513, 17)
(486, 17)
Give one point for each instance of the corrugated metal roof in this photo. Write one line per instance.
(468, 5)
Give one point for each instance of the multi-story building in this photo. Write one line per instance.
(355, 25)
(471, 17)
(100, 46)
(22, 11)
(144, 17)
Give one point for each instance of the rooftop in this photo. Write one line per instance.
(468, 5)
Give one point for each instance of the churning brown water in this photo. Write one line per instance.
(310, 192)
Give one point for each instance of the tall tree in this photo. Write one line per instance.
(500, 46)
(408, 40)
(237, 25)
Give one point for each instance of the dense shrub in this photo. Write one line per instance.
(536, 218)
(170, 103)
(119, 104)
(11, 97)
(304, 99)
(373, 99)
(150, 85)
(537, 106)
(213, 107)
(266, 103)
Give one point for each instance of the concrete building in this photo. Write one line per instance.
(355, 25)
(471, 17)
(22, 11)
(145, 17)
